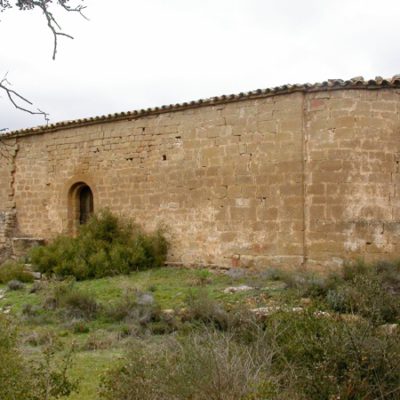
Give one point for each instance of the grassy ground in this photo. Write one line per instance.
(102, 343)
(318, 330)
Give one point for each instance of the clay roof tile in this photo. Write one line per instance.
(357, 82)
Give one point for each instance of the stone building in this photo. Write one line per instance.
(298, 175)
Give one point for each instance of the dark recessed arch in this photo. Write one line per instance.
(80, 205)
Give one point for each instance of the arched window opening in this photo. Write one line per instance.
(85, 204)
(80, 206)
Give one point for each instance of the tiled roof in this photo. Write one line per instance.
(331, 84)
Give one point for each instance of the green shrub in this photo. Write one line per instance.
(30, 311)
(40, 338)
(79, 327)
(100, 340)
(49, 376)
(244, 326)
(334, 359)
(42, 379)
(308, 284)
(129, 329)
(12, 270)
(390, 275)
(202, 308)
(80, 304)
(36, 287)
(58, 291)
(125, 309)
(141, 316)
(308, 355)
(105, 246)
(14, 384)
(372, 291)
(161, 327)
(203, 277)
(75, 303)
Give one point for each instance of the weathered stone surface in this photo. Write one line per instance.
(303, 178)
(236, 289)
(264, 312)
(389, 329)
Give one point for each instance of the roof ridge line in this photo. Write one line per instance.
(331, 84)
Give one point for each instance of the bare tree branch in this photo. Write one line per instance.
(52, 23)
(18, 101)
(45, 6)
(79, 8)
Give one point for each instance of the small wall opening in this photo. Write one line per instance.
(80, 206)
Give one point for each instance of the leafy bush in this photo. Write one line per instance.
(75, 303)
(295, 356)
(105, 246)
(334, 359)
(141, 315)
(125, 309)
(79, 327)
(80, 305)
(40, 338)
(202, 308)
(309, 284)
(12, 270)
(36, 287)
(100, 340)
(49, 376)
(308, 355)
(13, 383)
(37, 380)
(30, 311)
(203, 277)
(372, 291)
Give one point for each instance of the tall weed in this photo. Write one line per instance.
(202, 366)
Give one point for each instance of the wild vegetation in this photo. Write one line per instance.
(174, 333)
(12, 270)
(311, 352)
(39, 379)
(105, 246)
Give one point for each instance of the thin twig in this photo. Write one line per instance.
(18, 101)
(45, 6)
(52, 23)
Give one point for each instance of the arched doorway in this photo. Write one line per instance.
(80, 206)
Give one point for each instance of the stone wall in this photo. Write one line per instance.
(352, 175)
(7, 228)
(8, 151)
(304, 178)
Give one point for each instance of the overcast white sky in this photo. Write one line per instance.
(136, 54)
